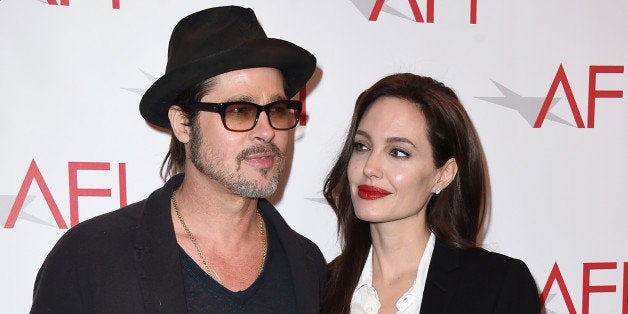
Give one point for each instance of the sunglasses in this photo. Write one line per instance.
(241, 116)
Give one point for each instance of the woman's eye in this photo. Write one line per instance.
(357, 146)
(398, 153)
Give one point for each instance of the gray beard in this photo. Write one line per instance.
(212, 166)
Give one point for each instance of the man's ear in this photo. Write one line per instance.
(180, 124)
(446, 174)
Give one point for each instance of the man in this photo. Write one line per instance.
(208, 241)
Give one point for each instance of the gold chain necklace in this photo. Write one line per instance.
(206, 264)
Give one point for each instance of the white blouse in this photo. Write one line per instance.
(365, 298)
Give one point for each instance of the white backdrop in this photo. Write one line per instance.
(74, 145)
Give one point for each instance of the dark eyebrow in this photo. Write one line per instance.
(399, 139)
(360, 132)
(239, 98)
(250, 99)
(394, 139)
(278, 97)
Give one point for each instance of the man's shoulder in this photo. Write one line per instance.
(309, 246)
(104, 229)
(286, 233)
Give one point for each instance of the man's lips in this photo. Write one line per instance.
(261, 156)
(262, 160)
(369, 192)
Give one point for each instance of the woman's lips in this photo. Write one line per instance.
(369, 192)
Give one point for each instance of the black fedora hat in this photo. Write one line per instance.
(219, 40)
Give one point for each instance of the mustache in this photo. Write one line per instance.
(257, 149)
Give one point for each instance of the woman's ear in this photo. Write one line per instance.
(180, 124)
(446, 174)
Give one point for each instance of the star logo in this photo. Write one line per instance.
(367, 8)
(549, 298)
(141, 91)
(527, 107)
(320, 200)
(6, 202)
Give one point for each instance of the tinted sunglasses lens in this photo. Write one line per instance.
(283, 115)
(240, 116)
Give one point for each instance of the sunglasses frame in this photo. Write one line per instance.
(221, 109)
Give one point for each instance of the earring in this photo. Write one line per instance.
(437, 191)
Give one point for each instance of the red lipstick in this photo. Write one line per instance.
(369, 192)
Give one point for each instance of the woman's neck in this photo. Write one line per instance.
(397, 248)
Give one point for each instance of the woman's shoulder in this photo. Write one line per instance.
(482, 266)
(482, 256)
(476, 257)
(486, 277)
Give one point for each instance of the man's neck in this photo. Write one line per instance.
(224, 226)
(207, 205)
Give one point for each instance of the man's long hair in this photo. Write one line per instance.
(174, 161)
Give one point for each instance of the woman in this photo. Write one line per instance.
(411, 192)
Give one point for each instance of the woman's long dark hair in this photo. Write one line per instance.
(456, 215)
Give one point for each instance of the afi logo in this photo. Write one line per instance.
(115, 4)
(529, 108)
(33, 174)
(372, 9)
(556, 276)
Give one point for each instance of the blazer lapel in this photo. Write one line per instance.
(157, 254)
(442, 278)
(303, 278)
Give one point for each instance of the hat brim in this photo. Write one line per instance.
(295, 63)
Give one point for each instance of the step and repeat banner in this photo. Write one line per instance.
(544, 82)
